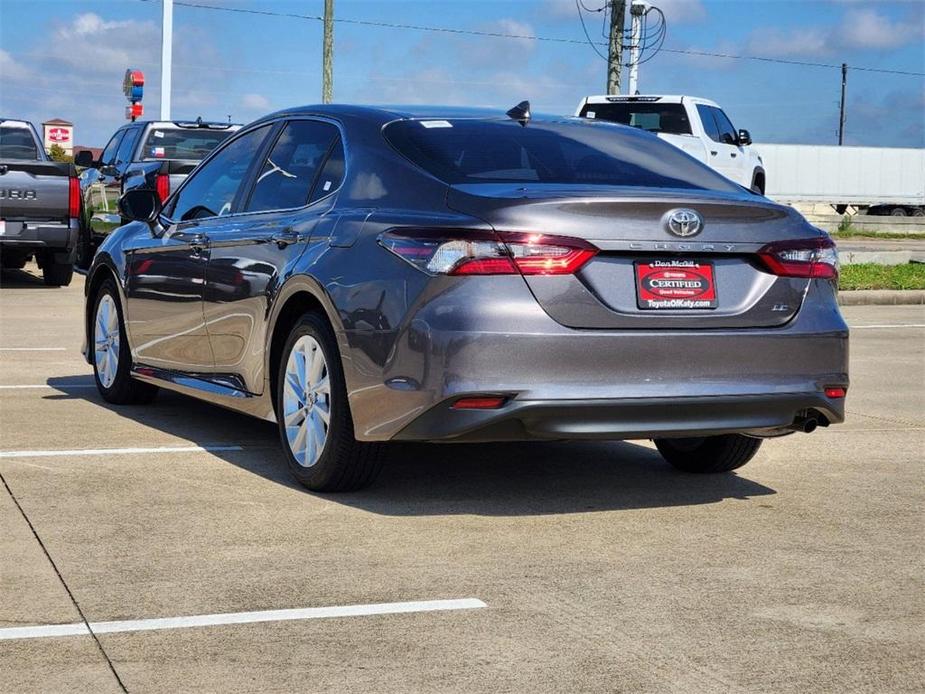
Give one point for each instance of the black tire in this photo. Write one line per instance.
(899, 212)
(344, 464)
(57, 274)
(918, 212)
(124, 390)
(710, 453)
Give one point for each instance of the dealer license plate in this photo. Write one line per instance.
(675, 284)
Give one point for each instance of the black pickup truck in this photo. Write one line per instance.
(150, 154)
(40, 213)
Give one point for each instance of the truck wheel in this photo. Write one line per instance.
(314, 416)
(110, 353)
(898, 212)
(709, 453)
(918, 212)
(57, 274)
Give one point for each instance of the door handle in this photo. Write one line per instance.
(197, 243)
(732, 154)
(712, 153)
(286, 237)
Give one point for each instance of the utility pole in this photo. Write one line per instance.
(166, 56)
(327, 67)
(637, 12)
(841, 113)
(615, 51)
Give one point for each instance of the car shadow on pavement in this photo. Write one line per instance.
(502, 479)
(20, 279)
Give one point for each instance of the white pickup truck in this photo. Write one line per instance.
(697, 126)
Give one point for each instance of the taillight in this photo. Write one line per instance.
(835, 392)
(477, 252)
(73, 198)
(482, 402)
(815, 258)
(162, 186)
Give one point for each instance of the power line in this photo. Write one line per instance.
(532, 37)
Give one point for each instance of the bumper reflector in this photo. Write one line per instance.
(484, 402)
(835, 392)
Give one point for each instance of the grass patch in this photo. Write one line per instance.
(855, 234)
(871, 276)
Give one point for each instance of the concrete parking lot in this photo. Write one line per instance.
(600, 568)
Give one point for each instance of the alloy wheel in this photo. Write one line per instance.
(306, 401)
(106, 341)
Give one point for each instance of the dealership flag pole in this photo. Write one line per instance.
(166, 56)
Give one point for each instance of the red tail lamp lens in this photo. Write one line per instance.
(810, 258)
(835, 392)
(479, 403)
(162, 186)
(480, 252)
(73, 198)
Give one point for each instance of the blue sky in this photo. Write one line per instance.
(66, 59)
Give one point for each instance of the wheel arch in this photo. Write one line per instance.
(759, 179)
(296, 297)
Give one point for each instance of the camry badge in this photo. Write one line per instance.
(683, 222)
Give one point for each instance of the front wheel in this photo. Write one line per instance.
(314, 416)
(709, 453)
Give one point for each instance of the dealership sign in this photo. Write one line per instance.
(59, 135)
(133, 86)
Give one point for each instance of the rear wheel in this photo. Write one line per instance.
(314, 416)
(56, 274)
(709, 453)
(110, 354)
(898, 212)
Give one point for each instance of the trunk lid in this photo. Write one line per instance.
(629, 226)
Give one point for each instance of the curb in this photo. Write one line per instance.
(881, 297)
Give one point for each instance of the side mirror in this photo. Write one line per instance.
(140, 205)
(745, 137)
(84, 159)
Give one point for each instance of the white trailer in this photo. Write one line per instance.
(875, 180)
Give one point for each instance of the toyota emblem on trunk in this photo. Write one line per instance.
(683, 222)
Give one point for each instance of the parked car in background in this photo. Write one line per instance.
(697, 126)
(362, 275)
(153, 154)
(39, 205)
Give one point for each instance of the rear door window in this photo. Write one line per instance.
(286, 177)
(332, 173)
(210, 191)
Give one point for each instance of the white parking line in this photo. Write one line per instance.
(33, 349)
(116, 451)
(204, 620)
(889, 325)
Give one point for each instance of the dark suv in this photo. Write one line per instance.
(149, 154)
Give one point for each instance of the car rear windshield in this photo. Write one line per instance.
(17, 143)
(656, 118)
(191, 144)
(561, 152)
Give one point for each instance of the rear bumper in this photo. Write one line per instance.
(55, 236)
(491, 337)
(638, 418)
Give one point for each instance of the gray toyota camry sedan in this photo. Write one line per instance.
(363, 275)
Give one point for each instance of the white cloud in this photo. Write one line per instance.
(866, 28)
(256, 102)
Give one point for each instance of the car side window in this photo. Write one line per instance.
(108, 157)
(332, 173)
(127, 146)
(287, 175)
(211, 190)
(709, 123)
(727, 131)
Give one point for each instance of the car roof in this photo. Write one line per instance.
(16, 122)
(385, 114)
(661, 98)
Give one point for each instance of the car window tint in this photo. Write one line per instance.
(17, 143)
(109, 152)
(210, 190)
(189, 144)
(127, 146)
(709, 123)
(573, 151)
(286, 177)
(332, 173)
(727, 132)
(659, 118)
